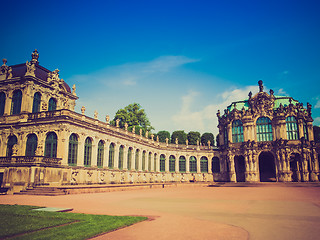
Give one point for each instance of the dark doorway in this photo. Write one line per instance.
(240, 168)
(267, 167)
(295, 167)
(1, 178)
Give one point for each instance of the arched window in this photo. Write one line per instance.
(36, 102)
(87, 152)
(264, 129)
(52, 106)
(193, 164)
(51, 145)
(237, 131)
(73, 150)
(149, 162)
(2, 103)
(305, 131)
(162, 163)
(16, 102)
(12, 140)
(182, 164)
(225, 136)
(129, 159)
(31, 146)
(172, 164)
(137, 160)
(143, 160)
(215, 165)
(100, 154)
(111, 155)
(121, 152)
(204, 164)
(292, 128)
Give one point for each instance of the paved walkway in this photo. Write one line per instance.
(272, 212)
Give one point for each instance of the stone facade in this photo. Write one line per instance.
(44, 141)
(268, 138)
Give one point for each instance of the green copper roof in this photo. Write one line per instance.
(279, 100)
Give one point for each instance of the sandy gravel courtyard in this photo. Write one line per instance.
(198, 212)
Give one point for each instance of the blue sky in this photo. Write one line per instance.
(180, 60)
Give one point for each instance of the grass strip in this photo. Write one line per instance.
(19, 222)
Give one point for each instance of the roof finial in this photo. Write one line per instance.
(35, 56)
(4, 62)
(260, 85)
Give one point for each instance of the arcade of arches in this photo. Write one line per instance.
(43, 141)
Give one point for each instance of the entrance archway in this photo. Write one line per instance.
(267, 168)
(240, 168)
(295, 167)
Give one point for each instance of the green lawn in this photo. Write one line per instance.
(20, 222)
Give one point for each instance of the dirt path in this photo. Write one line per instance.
(200, 212)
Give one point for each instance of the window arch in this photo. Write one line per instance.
(12, 140)
(36, 102)
(16, 102)
(193, 164)
(2, 102)
(292, 128)
(204, 164)
(237, 131)
(182, 164)
(172, 164)
(31, 146)
(51, 145)
(111, 155)
(264, 129)
(162, 163)
(137, 160)
(87, 152)
(121, 152)
(129, 158)
(100, 154)
(52, 106)
(73, 149)
(149, 161)
(143, 160)
(215, 165)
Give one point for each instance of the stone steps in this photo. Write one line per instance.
(44, 191)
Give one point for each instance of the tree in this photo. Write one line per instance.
(181, 135)
(193, 137)
(133, 115)
(163, 135)
(207, 137)
(316, 133)
(217, 140)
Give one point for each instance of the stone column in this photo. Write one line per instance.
(157, 167)
(198, 164)
(300, 128)
(187, 163)
(26, 103)
(167, 163)
(232, 173)
(80, 158)
(125, 158)
(105, 160)
(229, 131)
(3, 145)
(177, 163)
(310, 131)
(116, 156)
(7, 107)
(94, 156)
(63, 147)
(210, 163)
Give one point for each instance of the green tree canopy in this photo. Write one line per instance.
(316, 133)
(163, 135)
(217, 139)
(207, 137)
(133, 115)
(181, 135)
(193, 137)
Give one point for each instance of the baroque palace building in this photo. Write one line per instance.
(44, 141)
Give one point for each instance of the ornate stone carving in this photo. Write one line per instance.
(30, 69)
(83, 109)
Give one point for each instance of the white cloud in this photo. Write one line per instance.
(317, 105)
(206, 119)
(316, 121)
(281, 92)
